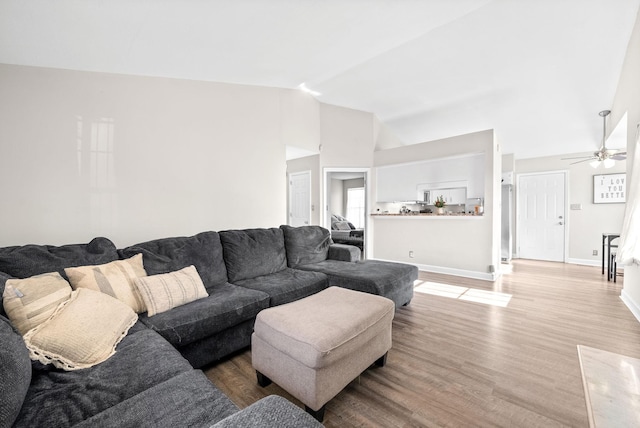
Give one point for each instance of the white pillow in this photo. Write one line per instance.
(169, 290)
(342, 225)
(29, 302)
(82, 332)
(115, 279)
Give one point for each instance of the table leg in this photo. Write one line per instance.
(608, 258)
(603, 239)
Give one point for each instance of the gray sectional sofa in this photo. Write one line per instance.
(152, 379)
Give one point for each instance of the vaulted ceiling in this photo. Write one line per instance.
(536, 71)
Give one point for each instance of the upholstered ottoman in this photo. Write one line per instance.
(316, 346)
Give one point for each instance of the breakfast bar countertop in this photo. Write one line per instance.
(422, 215)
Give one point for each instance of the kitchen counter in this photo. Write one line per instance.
(425, 215)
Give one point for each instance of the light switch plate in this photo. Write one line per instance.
(576, 206)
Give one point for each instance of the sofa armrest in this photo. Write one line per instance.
(344, 253)
(272, 411)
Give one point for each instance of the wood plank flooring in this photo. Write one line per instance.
(462, 364)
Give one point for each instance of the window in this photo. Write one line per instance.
(355, 206)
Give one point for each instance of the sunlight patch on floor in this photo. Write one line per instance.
(463, 293)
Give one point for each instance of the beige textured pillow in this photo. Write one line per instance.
(82, 332)
(169, 290)
(115, 279)
(29, 302)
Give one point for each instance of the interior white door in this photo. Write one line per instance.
(541, 216)
(300, 198)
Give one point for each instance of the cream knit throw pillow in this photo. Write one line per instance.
(169, 290)
(82, 332)
(115, 279)
(29, 302)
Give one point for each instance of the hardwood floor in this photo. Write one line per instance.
(462, 364)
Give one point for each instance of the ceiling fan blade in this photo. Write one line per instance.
(619, 156)
(585, 160)
(578, 157)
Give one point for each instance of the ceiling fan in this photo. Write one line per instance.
(607, 157)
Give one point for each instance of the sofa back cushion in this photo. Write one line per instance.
(15, 373)
(29, 260)
(203, 251)
(306, 244)
(250, 253)
(3, 280)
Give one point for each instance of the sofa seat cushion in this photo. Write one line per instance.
(186, 400)
(306, 244)
(29, 260)
(203, 250)
(226, 306)
(15, 373)
(287, 285)
(250, 253)
(142, 360)
(387, 279)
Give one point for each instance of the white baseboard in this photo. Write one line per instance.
(633, 306)
(589, 262)
(585, 262)
(452, 271)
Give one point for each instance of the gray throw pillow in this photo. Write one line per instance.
(306, 244)
(15, 373)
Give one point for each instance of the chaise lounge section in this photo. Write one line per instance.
(308, 249)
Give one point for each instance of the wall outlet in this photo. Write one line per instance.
(411, 254)
(595, 252)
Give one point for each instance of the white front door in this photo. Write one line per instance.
(300, 198)
(541, 216)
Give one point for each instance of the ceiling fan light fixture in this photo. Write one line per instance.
(608, 157)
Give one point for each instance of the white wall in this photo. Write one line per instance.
(462, 246)
(182, 156)
(300, 120)
(336, 197)
(346, 137)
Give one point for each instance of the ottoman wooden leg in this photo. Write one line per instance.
(318, 414)
(380, 362)
(262, 379)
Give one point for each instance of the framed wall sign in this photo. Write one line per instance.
(609, 188)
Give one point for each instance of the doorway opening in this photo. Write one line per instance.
(346, 199)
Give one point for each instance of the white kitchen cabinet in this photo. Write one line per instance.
(450, 196)
(396, 185)
(456, 177)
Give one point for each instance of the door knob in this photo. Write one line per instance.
(560, 223)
